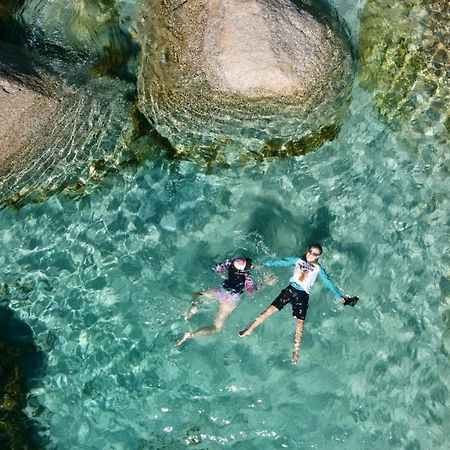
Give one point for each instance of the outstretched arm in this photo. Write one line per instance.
(222, 267)
(289, 261)
(251, 287)
(345, 300)
(329, 283)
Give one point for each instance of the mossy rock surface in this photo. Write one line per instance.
(405, 52)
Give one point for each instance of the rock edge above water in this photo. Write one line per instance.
(228, 72)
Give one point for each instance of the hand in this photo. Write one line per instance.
(349, 301)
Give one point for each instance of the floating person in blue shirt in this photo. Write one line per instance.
(306, 270)
(228, 295)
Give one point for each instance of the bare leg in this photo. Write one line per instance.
(195, 303)
(297, 340)
(225, 309)
(258, 321)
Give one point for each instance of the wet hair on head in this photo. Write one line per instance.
(315, 245)
(248, 263)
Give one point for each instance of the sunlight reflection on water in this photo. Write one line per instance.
(103, 280)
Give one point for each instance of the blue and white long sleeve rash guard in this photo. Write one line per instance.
(305, 274)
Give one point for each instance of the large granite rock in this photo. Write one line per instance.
(219, 75)
(50, 134)
(405, 51)
(28, 99)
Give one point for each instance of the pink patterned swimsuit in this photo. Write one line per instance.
(236, 282)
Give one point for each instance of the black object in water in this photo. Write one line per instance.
(350, 301)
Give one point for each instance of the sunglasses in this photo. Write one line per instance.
(313, 253)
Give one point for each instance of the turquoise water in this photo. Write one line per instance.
(103, 280)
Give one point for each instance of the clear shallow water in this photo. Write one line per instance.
(103, 280)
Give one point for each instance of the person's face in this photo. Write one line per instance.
(312, 254)
(239, 263)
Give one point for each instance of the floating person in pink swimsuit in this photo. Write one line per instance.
(228, 295)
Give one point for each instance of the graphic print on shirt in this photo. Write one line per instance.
(303, 270)
(305, 274)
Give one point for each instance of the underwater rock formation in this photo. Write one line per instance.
(28, 99)
(79, 27)
(405, 51)
(20, 360)
(226, 74)
(97, 32)
(50, 134)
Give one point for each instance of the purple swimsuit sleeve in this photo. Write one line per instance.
(221, 267)
(249, 285)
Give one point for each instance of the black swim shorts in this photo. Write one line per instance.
(298, 299)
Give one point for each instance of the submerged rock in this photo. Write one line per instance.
(20, 359)
(50, 134)
(225, 74)
(99, 33)
(405, 51)
(28, 98)
(79, 27)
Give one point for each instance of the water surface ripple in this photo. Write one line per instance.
(103, 280)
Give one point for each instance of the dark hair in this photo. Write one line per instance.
(315, 245)
(248, 264)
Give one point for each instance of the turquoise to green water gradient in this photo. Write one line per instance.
(103, 280)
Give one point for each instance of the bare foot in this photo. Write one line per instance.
(245, 332)
(192, 310)
(185, 337)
